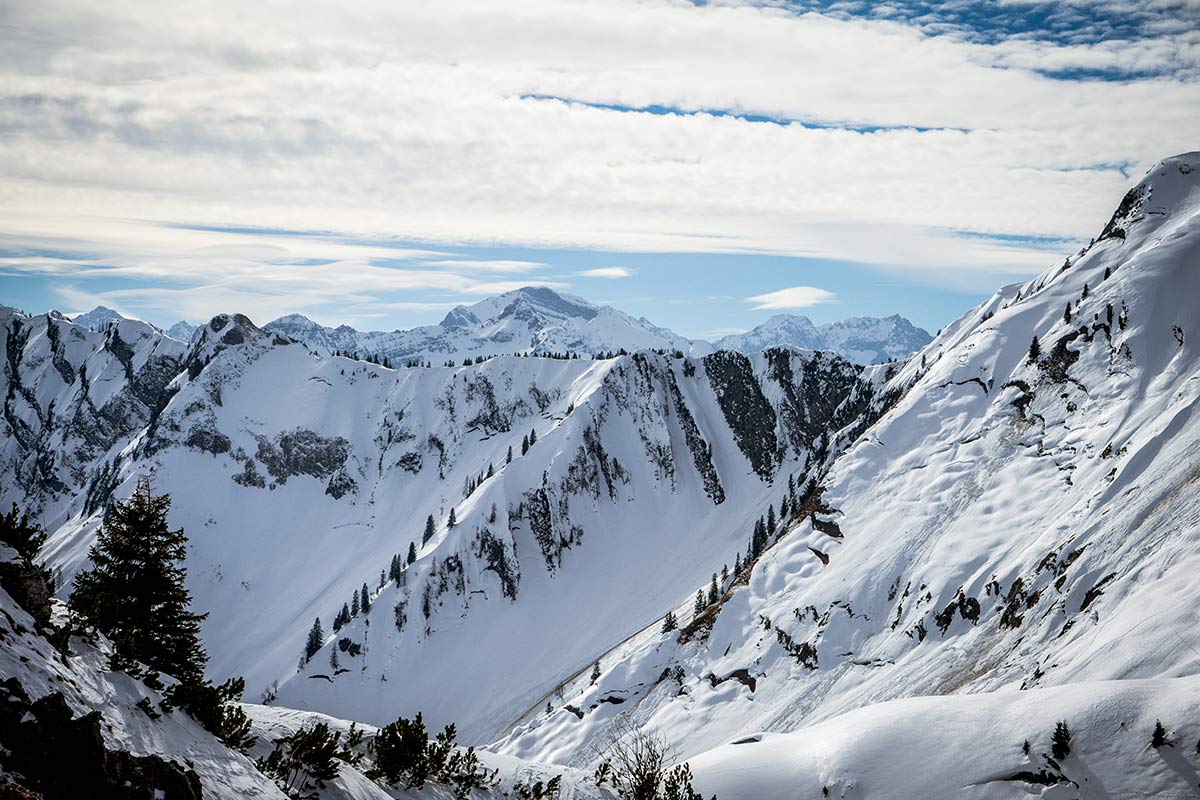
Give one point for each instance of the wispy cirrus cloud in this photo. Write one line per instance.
(792, 297)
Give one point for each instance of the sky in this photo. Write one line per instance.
(704, 165)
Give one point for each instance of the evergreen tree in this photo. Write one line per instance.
(669, 622)
(452, 521)
(524, 445)
(1067, 314)
(699, 606)
(737, 564)
(595, 672)
(429, 531)
(1159, 737)
(724, 573)
(382, 579)
(713, 592)
(316, 637)
(1035, 350)
(771, 520)
(1085, 292)
(394, 569)
(412, 552)
(1060, 742)
(341, 618)
(135, 591)
(19, 532)
(508, 456)
(333, 660)
(354, 604)
(532, 437)
(366, 599)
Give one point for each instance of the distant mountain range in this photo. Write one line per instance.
(540, 320)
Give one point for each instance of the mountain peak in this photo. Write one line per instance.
(98, 318)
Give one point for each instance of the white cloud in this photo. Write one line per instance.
(410, 121)
(607, 272)
(793, 297)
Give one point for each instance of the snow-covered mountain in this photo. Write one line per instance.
(967, 548)
(182, 330)
(864, 340)
(325, 468)
(534, 319)
(97, 319)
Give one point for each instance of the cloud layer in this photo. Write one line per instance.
(623, 126)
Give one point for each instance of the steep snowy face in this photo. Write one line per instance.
(1023, 517)
(533, 319)
(863, 340)
(300, 479)
(73, 398)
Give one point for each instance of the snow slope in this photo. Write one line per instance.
(1006, 525)
(972, 746)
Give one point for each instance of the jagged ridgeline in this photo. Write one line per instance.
(305, 483)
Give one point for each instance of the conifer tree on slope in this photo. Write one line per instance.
(135, 591)
(430, 529)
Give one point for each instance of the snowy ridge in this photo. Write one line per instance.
(1006, 525)
(533, 319)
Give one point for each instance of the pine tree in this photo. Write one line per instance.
(366, 599)
(1159, 737)
(316, 637)
(532, 437)
(1060, 742)
(524, 445)
(354, 605)
(135, 592)
(1067, 314)
(737, 564)
(699, 606)
(595, 672)
(19, 532)
(412, 552)
(508, 456)
(429, 531)
(1107, 273)
(724, 573)
(491, 470)
(382, 578)
(771, 520)
(669, 622)
(452, 521)
(394, 569)
(1085, 292)
(341, 618)
(1035, 350)
(333, 659)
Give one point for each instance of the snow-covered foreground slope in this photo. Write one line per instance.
(973, 746)
(86, 685)
(299, 477)
(1007, 524)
